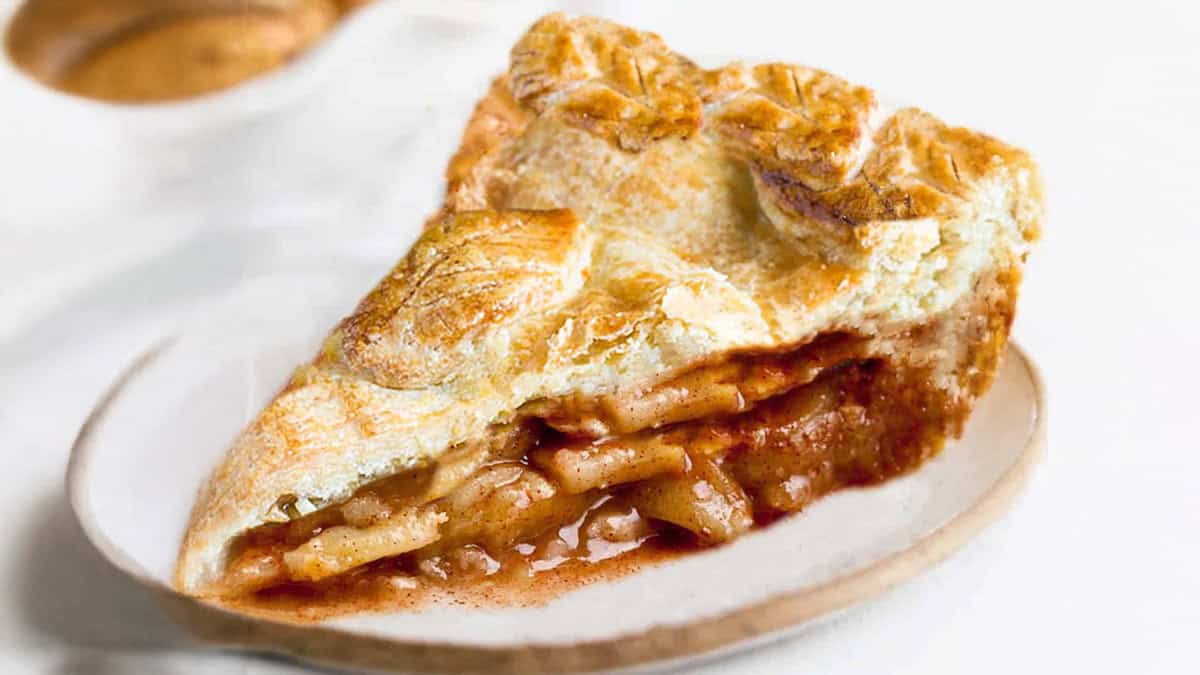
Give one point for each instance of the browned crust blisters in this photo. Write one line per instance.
(614, 214)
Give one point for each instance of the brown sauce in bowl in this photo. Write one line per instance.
(133, 52)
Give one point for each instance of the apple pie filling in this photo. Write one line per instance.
(692, 462)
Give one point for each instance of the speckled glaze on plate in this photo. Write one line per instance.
(173, 412)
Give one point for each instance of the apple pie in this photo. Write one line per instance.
(661, 306)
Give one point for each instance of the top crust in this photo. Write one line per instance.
(614, 215)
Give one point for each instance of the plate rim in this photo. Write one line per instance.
(705, 637)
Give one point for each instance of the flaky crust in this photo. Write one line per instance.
(616, 214)
(464, 281)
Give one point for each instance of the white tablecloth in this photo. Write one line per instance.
(1094, 571)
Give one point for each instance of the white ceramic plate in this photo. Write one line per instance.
(150, 443)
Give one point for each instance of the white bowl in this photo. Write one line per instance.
(151, 441)
(308, 136)
(345, 143)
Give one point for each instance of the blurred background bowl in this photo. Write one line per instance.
(341, 142)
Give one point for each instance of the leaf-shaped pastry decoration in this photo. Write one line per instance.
(918, 167)
(621, 84)
(802, 121)
(465, 279)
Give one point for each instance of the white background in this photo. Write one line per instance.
(115, 223)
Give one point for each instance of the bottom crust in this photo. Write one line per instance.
(571, 491)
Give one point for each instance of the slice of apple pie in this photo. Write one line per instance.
(661, 305)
